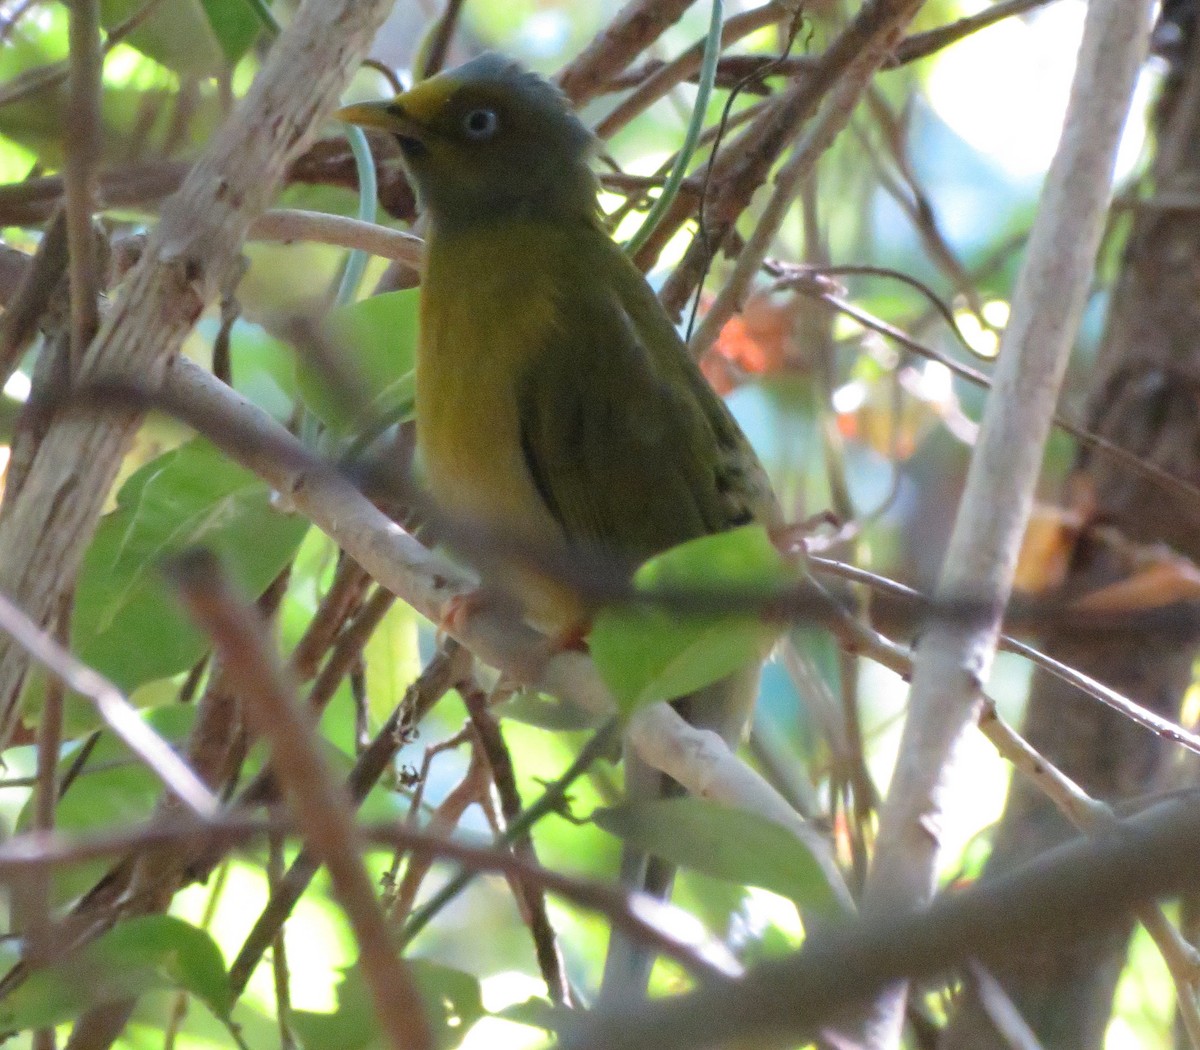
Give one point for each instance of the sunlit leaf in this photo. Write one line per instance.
(392, 661)
(127, 623)
(157, 951)
(649, 653)
(192, 37)
(378, 337)
(730, 844)
(452, 1004)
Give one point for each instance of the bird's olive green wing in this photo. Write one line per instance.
(626, 443)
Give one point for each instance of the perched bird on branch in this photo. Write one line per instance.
(556, 404)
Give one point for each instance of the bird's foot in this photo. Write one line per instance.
(461, 608)
(571, 639)
(794, 538)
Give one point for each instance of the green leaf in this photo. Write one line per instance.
(729, 844)
(157, 951)
(127, 623)
(234, 24)
(547, 712)
(184, 954)
(192, 37)
(392, 661)
(379, 335)
(264, 369)
(113, 790)
(453, 1003)
(646, 654)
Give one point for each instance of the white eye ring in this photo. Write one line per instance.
(481, 124)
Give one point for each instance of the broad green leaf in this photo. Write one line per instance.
(649, 653)
(192, 37)
(392, 661)
(546, 712)
(113, 790)
(729, 844)
(452, 1002)
(127, 622)
(379, 337)
(184, 954)
(158, 951)
(234, 24)
(264, 369)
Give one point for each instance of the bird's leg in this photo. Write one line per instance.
(463, 607)
(794, 537)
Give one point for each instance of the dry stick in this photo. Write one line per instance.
(674, 73)
(33, 296)
(921, 45)
(1002, 1013)
(491, 742)
(145, 884)
(322, 807)
(288, 224)
(1091, 815)
(438, 46)
(187, 260)
(82, 145)
(636, 27)
(118, 713)
(341, 601)
(954, 658)
(441, 674)
(346, 652)
(916, 203)
(36, 921)
(833, 117)
(1169, 731)
(445, 818)
(744, 163)
(1090, 439)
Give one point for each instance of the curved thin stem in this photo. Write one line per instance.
(708, 76)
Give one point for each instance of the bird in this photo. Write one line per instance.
(556, 403)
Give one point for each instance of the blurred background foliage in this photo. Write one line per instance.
(936, 178)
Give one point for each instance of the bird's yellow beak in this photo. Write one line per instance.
(410, 115)
(388, 115)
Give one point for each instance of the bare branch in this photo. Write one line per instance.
(322, 807)
(953, 659)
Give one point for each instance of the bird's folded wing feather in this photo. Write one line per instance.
(626, 443)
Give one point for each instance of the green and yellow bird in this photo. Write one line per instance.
(555, 401)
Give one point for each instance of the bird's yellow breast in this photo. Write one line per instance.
(488, 304)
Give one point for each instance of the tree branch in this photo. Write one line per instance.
(953, 659)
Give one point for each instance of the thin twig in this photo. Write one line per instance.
(441, 674)
(82, 144)
(834, 116)
(321, 806)
(118, 713)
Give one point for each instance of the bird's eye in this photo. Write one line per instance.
(480, 124)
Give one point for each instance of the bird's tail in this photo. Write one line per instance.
(725, 708)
